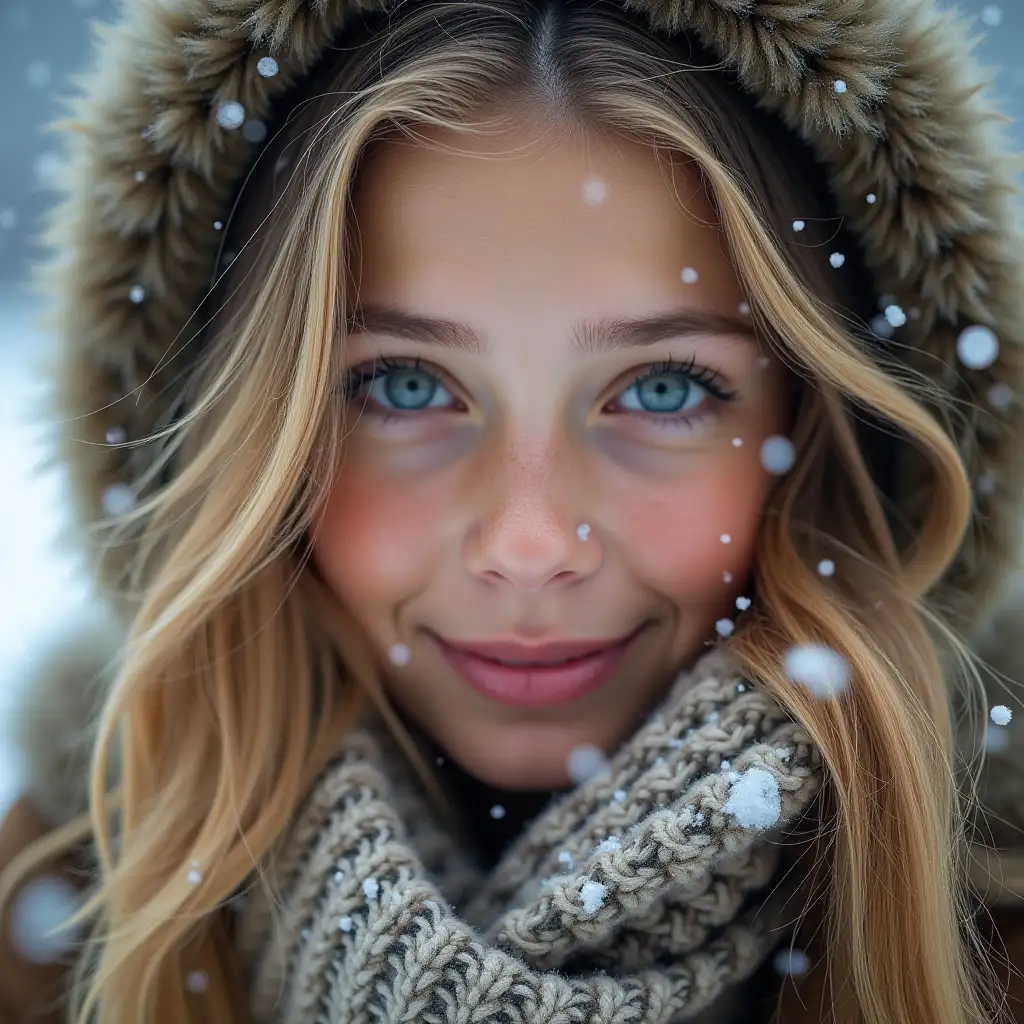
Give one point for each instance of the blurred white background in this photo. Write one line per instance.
(42, 42)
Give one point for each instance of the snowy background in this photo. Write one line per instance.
(42, 42)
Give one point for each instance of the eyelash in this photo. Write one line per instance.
(704, 376)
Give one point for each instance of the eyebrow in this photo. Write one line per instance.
(589, 337)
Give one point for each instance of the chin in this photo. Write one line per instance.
(516, 757)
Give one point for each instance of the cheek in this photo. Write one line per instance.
(377, 539)
(674, 534)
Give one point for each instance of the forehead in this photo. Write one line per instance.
(529, 209)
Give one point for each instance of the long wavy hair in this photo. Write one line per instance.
(240, 672)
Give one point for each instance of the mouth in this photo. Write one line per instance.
(535, 675)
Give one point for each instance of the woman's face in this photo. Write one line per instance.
(557, 410)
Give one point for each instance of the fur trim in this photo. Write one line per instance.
(52, 724)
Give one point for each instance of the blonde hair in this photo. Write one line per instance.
(239, 645)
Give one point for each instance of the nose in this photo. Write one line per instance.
(528, 536)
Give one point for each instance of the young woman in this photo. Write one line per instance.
(545, 460)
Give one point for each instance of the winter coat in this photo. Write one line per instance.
(889, 99)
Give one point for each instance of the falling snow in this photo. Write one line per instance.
(826, 567)
(725, 538)
(345, 924)
(197, 981)
(43, 905)
(565, 858)
(724, 627)
(991, 15)
(610, 845)
(977, 347)
(737, 442)
(798, 225)
(118, 500)
(254, 131)
(339, 877)
(592, 896)
(137, 293)
(1000, 395)
(399, 654)
(231, 115)
(583, 531)
(619, 796)
(794, 962)
(371, 888)
(267, 67)
(1001, 714)
(820, 669)
(742, 603)
(688, 276)
(871, 198)
(140, 176)
(778, 454)
(497, 812)
(754, 799)
(839, 86)
(116, 435)
(195, 876)
(595, 191)
(837, 259)
(881, 327)
(726, 576)
(895, 315)
(744, 308)
(584, 762)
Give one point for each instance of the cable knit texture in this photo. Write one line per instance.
(644, 895)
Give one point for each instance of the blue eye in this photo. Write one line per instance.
(398, 387)
(662, 392)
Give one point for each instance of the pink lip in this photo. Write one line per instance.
(580, 667)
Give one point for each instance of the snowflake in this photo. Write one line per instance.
(197, 981)
(822, 670)
(231, 115)
(1001, 714)
(977, 347)
(754, 799)
(399, 654)
(584, 762)
(778, 455)
(592, 896)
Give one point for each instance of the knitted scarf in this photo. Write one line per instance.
(644, 895)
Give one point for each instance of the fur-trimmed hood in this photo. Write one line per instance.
(885, 92)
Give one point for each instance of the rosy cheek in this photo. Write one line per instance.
(688, 539)
(378, 538)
